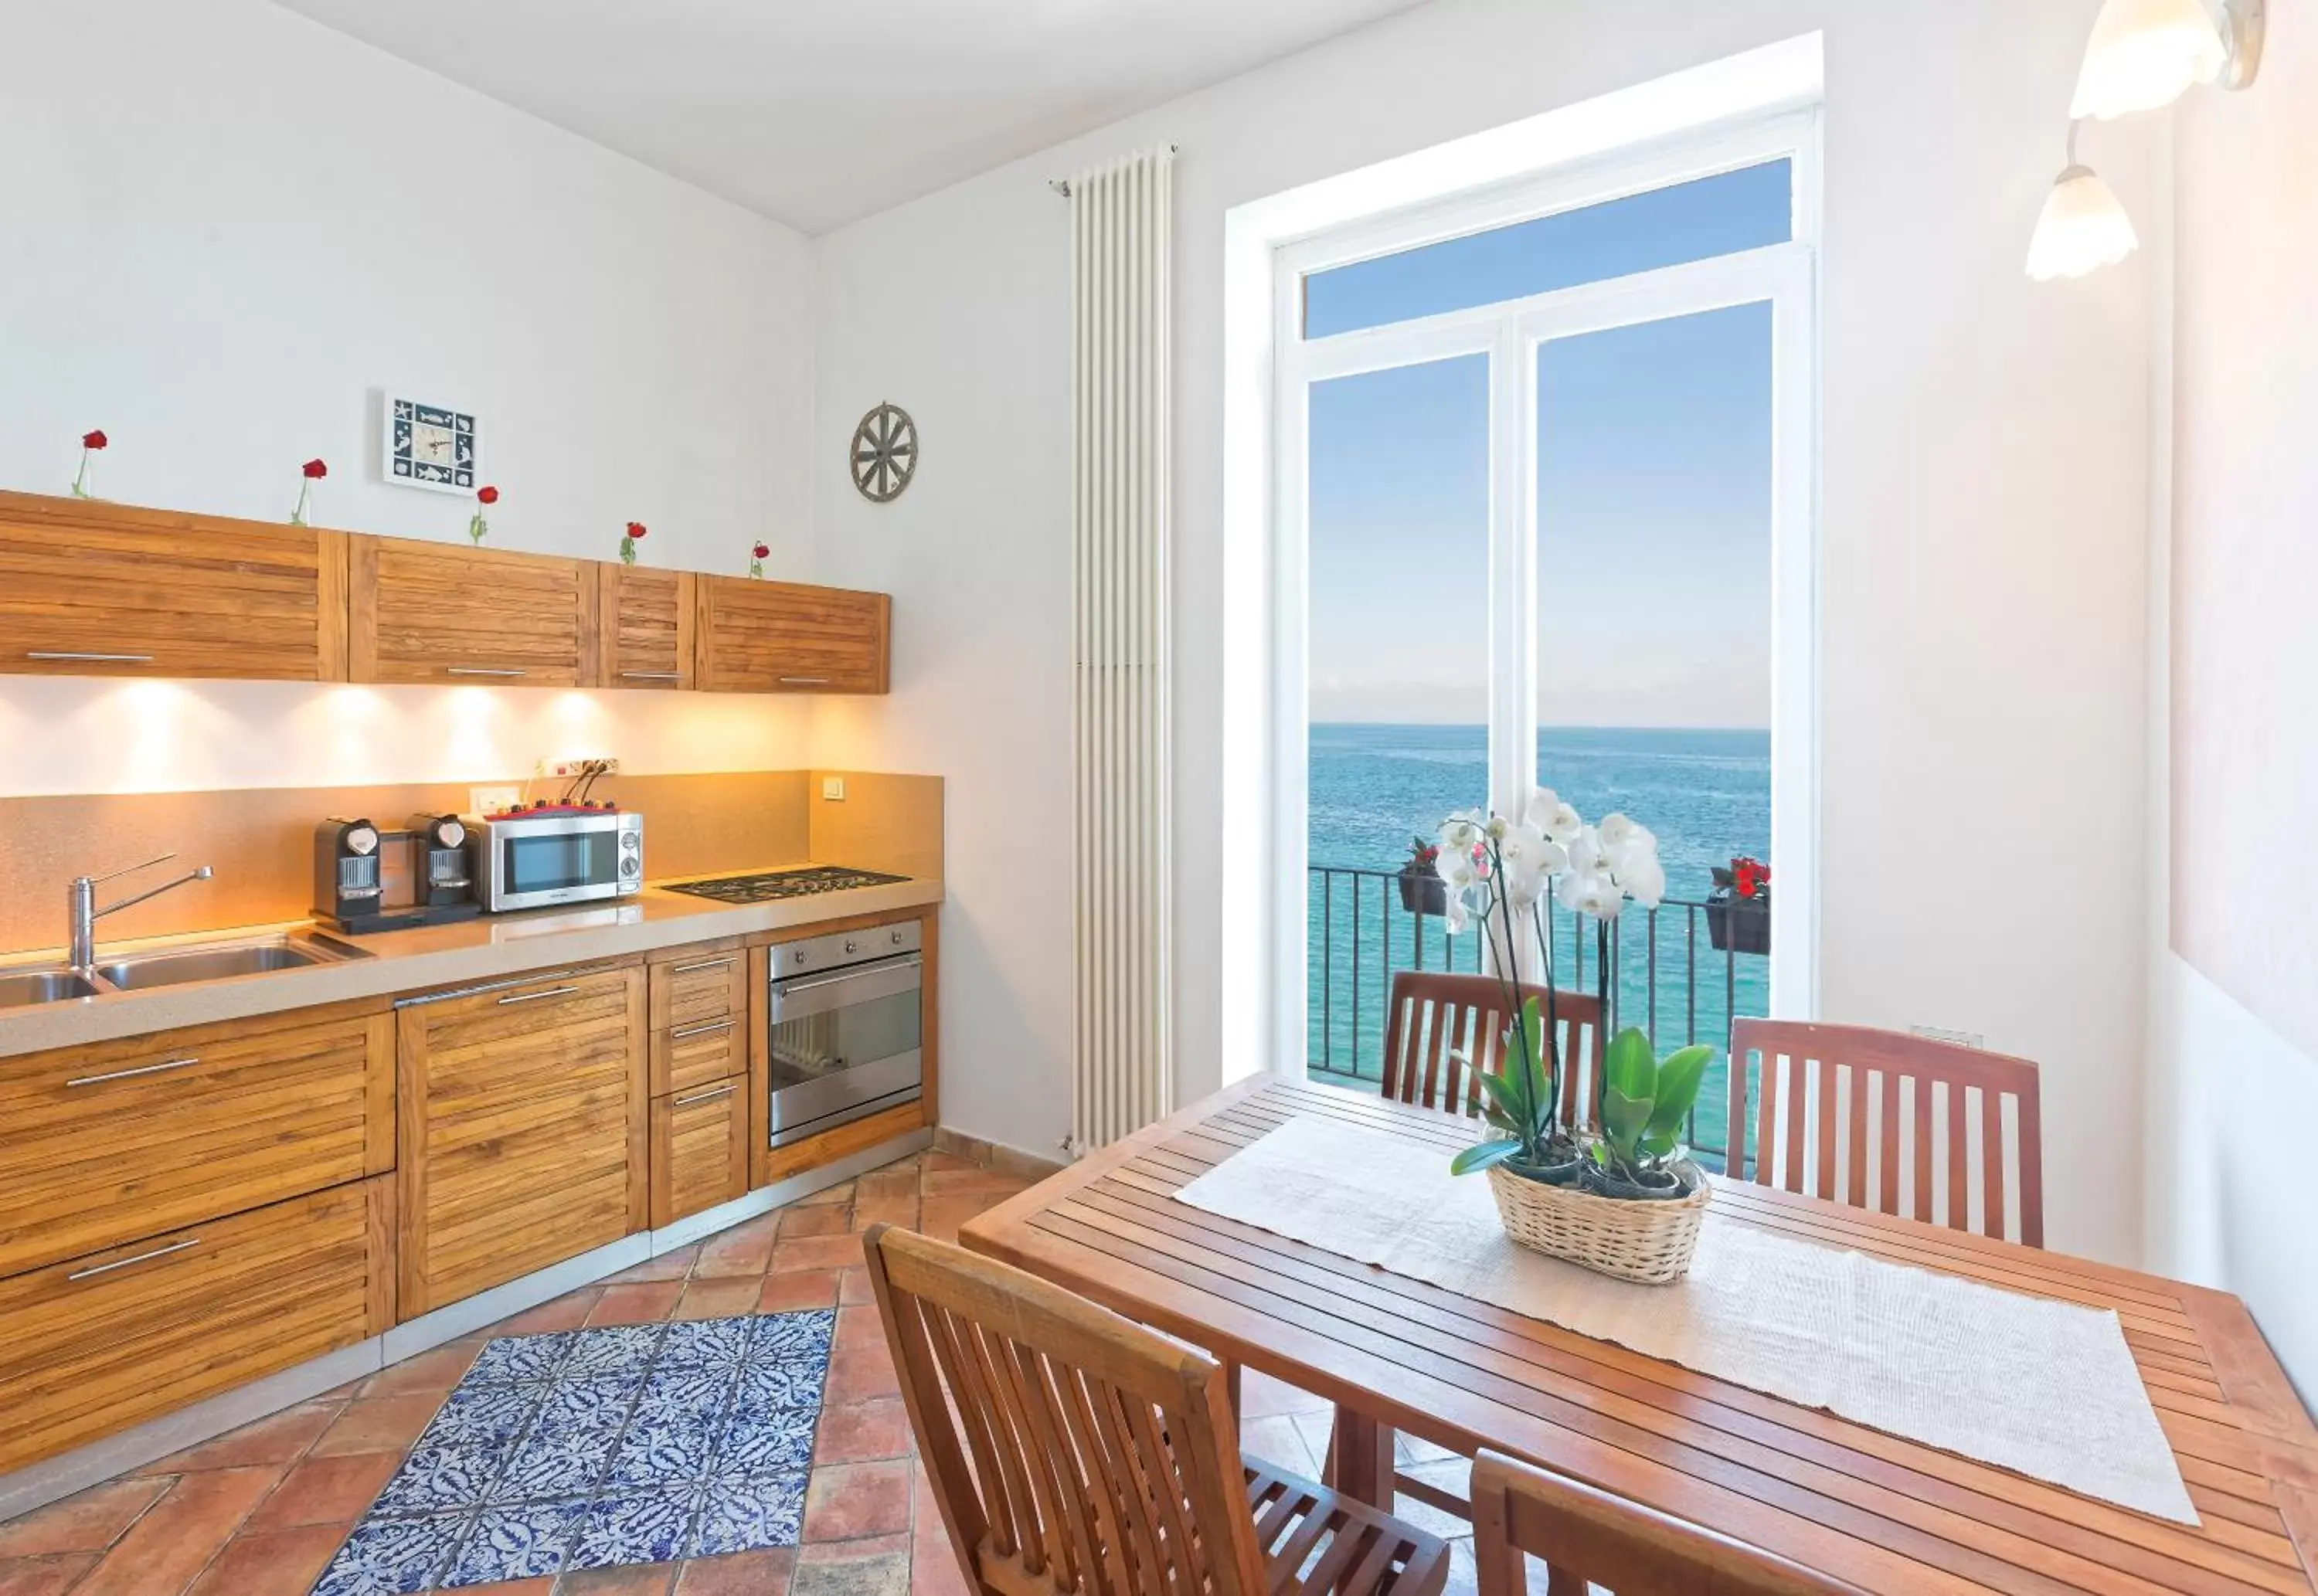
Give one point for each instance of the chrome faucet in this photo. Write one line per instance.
(80, 898)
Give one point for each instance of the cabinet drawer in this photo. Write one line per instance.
(700, 1053)
(104, 1144)
(700, 1150)
(96, 1344)
(699, 984)
(422, 612)
(523, 1126)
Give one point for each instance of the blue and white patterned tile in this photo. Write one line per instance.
(584, 1406)
(551, 1466)
(705, 1343)
(439, 1479)
(390, 1556)
(801, 1335)
(672, 1393)
(513, 1359)
(759, 1441)
(482, 1414)
(514, 1543)
(640, 1525)
(782, 1383)
(745, 1515)
(612, 1349)
(665, 1448)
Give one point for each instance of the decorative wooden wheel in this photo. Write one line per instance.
(884, 454)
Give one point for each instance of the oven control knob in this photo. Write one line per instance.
(798, 956)
(851, 946)
(629, 866)
(897, 940)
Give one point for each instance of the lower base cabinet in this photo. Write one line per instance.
(700, 1150)
(96, 1344)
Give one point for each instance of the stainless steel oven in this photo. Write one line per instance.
(528, 861)
(848, 1027)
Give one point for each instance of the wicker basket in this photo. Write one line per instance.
(1649, 1241)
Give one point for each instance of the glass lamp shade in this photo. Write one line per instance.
(2144, 54)
(2083, 228)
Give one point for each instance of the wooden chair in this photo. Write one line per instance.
(1072, 1450)
(1432, 1015)
(1867, 1093)
(1587, 1536)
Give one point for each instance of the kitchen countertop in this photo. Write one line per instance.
(487, 949)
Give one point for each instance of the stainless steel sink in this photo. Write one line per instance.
(176, 965)
(20, 989)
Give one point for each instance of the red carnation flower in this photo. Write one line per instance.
(635, 529)
(489, 496)
(315, 470)
(760, 550)
(93, 440)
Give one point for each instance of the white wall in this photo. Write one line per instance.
(1984, 574)
(225, 226)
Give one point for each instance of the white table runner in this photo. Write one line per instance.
(2045, 1388)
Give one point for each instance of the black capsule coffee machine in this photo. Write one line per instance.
(370, 880)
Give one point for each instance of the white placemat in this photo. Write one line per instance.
(2045, 1388)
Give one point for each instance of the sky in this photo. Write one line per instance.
(1654, 481)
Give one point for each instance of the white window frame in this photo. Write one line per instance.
(1786, 276)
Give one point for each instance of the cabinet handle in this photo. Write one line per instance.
(700, 1030)
(123, 1263)
(704, 964)
(805, 681)
(499, 670)
(724, 1091)
(90, 658)
(553, 991)
(652, 676)
(125, 1074)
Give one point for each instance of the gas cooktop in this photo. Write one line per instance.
(782, 884)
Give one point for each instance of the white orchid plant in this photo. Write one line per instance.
(1498, 869)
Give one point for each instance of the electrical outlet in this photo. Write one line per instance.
(493, 799)
(833, 788)
(563, 769)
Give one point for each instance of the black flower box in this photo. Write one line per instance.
(1735, 924)
(1422, 892)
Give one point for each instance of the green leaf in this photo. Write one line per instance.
(1542, 1083)
(1502, 1120)
(1481, 1155)
(1680, 1075)
(1657, 1144)
(1629, 1069)
(1623, 1120)
(1510, 1093)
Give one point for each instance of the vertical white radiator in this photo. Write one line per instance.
(1121, 239)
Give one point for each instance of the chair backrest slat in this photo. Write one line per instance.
(1072, 1452)
(1911, 1110)
(1589, 1535)
(1432, 1015)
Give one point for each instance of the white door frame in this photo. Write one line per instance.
(1783, 275)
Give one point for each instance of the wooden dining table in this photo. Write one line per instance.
(1885, 1513)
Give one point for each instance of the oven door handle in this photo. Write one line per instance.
(888, 978)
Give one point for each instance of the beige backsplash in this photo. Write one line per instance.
(260, 840)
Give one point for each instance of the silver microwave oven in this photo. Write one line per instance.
(530, 861)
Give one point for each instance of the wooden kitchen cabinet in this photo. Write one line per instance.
(89, 589)
(523, 1129)
(700, 1016)
(699, 1149)
(646, 617)
(444, 614)
(103, 1144)
(777, 637)
(96, 1344)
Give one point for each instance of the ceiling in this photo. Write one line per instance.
(816, 113)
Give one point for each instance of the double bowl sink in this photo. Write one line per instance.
(23, 986)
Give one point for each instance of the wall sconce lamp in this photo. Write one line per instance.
(2144, 55)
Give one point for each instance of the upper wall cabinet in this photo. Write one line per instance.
(423, 612)
(647, 626)
(777, 637)
(89, 588)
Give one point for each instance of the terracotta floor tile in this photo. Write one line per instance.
(950, 1182)
(817, 1252)
(541, 1586)
(378, 1424)
(717, 1299)
(742, 1574)
(853, 1287)
(278, 1438)
(642, 1578)
(901, 1211)
(179, 1534)
(842, 1192)
(942, 1215)
(934, 1569)
(859, 1374)
(858, 1328)
(890, 1184)
(283, 1563)
(568, 1312)
(800, 1289)
(437, 1369)
(668, 1266)
(638, 1302)
(820, 1219)
(89, 1521)
(934, 1158)
(43, 1577)
(863, 1432)
(853, 1500)
(329, 1490)
(744, 1250)
(851, 1568)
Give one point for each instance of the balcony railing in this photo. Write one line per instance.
(1670, 980)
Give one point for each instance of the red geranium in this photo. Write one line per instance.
(315, 470)
(93, 440)
(489, 496)
(1750, 877)
(760, 550)
(635, 529)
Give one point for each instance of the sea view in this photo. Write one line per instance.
(1706, 794)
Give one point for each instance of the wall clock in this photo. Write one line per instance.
(885, 454)
(432, 446)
